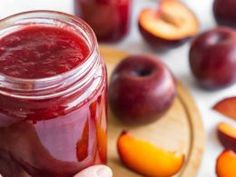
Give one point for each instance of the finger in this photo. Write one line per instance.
(96, 171)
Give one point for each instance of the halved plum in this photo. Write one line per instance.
(171, 24)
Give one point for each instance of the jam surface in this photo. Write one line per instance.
(41, 51)
(53, 137)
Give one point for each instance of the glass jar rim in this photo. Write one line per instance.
(44, 14)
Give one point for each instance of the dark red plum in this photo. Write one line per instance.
(142, 89)
(213, 58)
(224, 12)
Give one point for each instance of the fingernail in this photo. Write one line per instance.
(104, 172)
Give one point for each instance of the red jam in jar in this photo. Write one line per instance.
(53, 89)
(110, 19)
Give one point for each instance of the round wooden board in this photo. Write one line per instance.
(180, 130)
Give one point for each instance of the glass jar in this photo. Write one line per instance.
(54, 126)
(110, 19)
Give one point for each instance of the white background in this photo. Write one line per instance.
(176, 59)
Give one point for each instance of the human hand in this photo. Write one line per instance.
(95, 171)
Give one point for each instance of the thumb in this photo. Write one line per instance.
(95, 171)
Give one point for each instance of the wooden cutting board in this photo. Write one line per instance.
(180, 130)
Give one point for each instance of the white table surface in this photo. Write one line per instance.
(176, 59)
